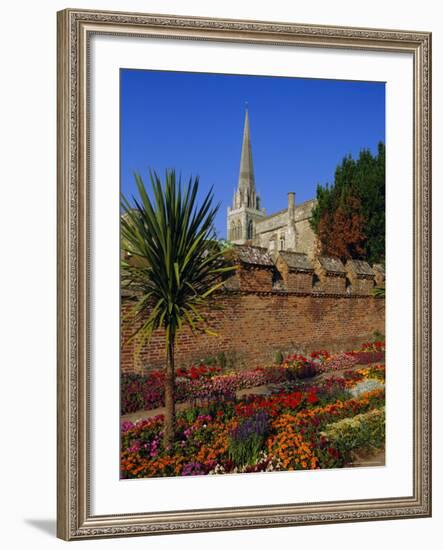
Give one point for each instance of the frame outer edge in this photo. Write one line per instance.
(427, 261)
(429, 244)
(63, 291)
(72, 508)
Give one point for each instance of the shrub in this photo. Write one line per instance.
(278, 359)
(363, 431)
(190, 414)
(307, 370)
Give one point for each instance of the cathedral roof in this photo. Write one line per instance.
(301, 211)
(296, 260)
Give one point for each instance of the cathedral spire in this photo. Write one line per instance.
(246, 181)
(246, 211)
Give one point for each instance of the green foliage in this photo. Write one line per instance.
(379, 291)
(225, 244)
(174, 264)
(222, 361)
(278, 359)
(190, 414)
(357, 200)
(208, 361)
(378, 336)
(376, 373)
(246, 441)
(245, 452)
(362, 432)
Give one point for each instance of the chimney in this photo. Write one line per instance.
(291, 204)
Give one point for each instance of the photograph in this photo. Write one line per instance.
(252, 273)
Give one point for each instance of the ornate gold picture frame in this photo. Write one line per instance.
(75, 517)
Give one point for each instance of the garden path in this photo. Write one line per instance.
(377, 458)
(143, 415)
(259, 390)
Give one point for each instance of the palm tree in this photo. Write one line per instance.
(175, 265)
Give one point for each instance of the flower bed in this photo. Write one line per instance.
(286, 430)
(363, 431)
(146, 392)
(370, 352)
(367, 357)
(206, 383)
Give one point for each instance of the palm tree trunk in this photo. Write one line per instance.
(169, 428)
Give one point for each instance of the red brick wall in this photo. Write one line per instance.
(253, 326)
(295, 281)
(333, 284)
(254, 279)
(299, 282)
(362, 286)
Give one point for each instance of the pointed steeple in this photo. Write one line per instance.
(246, 180)
(246, 211)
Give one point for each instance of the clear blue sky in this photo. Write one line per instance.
(193, 122)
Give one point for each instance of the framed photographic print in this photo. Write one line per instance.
(243, 274)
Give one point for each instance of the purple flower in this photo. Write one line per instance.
(256, 425)
(193, 469)
(126, 426)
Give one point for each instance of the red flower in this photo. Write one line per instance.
(312, 398)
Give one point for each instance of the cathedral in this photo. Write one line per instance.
(248, 223)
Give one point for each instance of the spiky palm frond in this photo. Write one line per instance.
(175, 262)
(379, 292)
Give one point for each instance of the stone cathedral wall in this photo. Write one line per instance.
(305, 237)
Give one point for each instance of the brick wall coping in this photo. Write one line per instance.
(280, 292)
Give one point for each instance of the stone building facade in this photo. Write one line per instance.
(247, 221)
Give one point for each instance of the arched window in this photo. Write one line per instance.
(273, 243)
(250, 230)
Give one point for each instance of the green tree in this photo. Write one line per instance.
(349, 218)
(174, 266)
